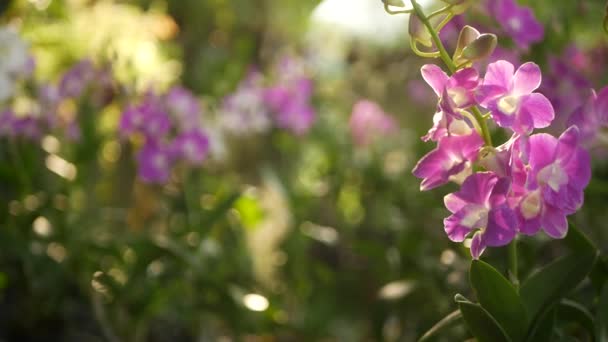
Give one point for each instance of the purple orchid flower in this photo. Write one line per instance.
(453, 155)
(148, 118)
(508, 94)
(291, 104)
(518, 22)
(559, 171)
(75, 81)
(368, 121)
(193, 146)
(591, 117)
(154, 163)
(184, 107)
(480, 206)
(455, 92)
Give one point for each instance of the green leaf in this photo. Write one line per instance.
(542, 330)
(601, 318)
(577, 241)
(571, 311)
(479, 322)
(446, 322)
(555, 280)
(498, 296)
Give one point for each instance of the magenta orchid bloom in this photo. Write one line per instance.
(154, 163)
(480, 206)
(591, 117)
(184, 107)
(452, 156)
(444, 125)
(455, 92)
(518, 22)
(192, 146)
(508, 94)
(559, 172)
(368, 122)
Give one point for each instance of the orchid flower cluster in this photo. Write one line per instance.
(169, 129)
(532, 182)
(55, 107)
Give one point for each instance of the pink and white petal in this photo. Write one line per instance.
(455, 231)
(542, 150)
(567, 145)
(526, 79)
(488, 93)
(454, 203)
(478, 187)
(435, 77)
(554, 222)
(466, 78)
(540, 108)
(524, 122)
(502, 227)
(579, 169)
(499, 73)
(477, 245)
(529, 226)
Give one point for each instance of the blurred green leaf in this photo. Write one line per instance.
(571, 311)
(445, 323)
(601, 318)
(498, 296)
(250, 211)
(555, 280)
(542, 329)
(479, 322)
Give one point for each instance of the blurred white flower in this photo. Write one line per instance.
(14, 60)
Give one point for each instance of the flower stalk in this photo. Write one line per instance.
(447, 60)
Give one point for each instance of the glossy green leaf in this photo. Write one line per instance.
(445, 323)
(552, 282)
(479, 322)
(601, 318)
(498, 296)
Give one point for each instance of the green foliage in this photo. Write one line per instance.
(498, 296)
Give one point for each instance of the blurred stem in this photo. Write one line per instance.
(20, 166)
(445, 57)
(513, 262)
(188, 186)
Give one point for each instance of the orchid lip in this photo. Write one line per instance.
(508, 104)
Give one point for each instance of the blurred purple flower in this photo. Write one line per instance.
(592, 117)
(184, 107)
(517, 21)
(154, 163)
(291, 103)
(368, 122)
(76, 79)
(245, 110)
(192, 146)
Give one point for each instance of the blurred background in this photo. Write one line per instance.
(302, 223)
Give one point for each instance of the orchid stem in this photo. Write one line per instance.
(445, 57)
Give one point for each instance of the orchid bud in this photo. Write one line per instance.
(480, 48)
(467, 35)
(418, 32)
